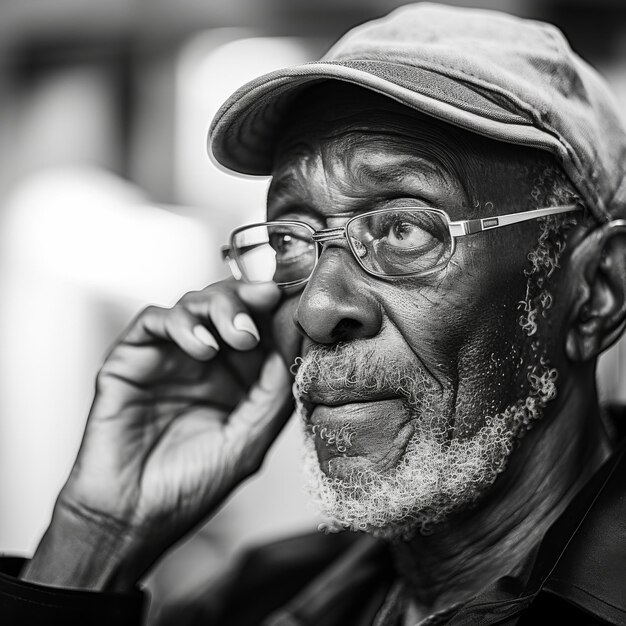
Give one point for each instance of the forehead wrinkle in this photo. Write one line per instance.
(333, 169)
(335, 109)
(379, 165)
(289, 181)
(377, 153)
(365, 163)
(346, 141)
(393, 170)
(313, 173)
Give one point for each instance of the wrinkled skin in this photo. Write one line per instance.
(150, 470)
(458, 328)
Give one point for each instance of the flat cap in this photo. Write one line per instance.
(507, 78)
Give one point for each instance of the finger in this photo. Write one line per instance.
(190, 334)
(177, 325)
(231, 318)
(259, 418)
(190, 324)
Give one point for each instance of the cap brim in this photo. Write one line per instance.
(244, 131)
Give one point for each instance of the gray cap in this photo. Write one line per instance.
(503, 77)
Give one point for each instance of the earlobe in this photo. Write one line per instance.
(598, 313)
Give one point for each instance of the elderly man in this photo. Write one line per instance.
(443, 262)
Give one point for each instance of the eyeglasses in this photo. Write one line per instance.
(387, 243)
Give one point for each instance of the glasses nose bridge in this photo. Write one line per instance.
(329, 234)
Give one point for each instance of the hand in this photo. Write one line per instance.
(186, 406)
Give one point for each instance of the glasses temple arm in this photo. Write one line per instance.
(469, 227)
(225, 251)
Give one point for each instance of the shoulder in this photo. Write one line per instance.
(590, 571)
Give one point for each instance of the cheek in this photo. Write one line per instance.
(465, 331)
(491, 371)
(430, 324)
(493, 359)
(447, 326)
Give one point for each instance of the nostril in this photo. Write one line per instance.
(346, 328)
(338, 303)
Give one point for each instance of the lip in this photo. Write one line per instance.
(329, 411)
(373, 431)
(334, 398)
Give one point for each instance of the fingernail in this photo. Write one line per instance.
(205, 337)
(242, 321)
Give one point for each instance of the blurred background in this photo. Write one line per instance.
(109, 202)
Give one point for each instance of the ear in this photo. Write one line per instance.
(598, 313)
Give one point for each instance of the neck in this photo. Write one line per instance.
(474, 548)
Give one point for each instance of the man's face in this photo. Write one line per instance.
(414, 390)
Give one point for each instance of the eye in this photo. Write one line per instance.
(403, 232)
(281, 242)
(290, 244)
(400, 242)
(407, 230)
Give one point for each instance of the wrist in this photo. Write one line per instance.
(82, 550)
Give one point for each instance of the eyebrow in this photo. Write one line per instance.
(283, 185)
(283, 197)
(394, 170)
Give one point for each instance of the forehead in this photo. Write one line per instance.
(358, 165)
(360, 142)
(348, 135)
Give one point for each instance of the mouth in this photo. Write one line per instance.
(333, 398)
(353, 434)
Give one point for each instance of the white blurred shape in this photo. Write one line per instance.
(89, 226)
(67, 116)
(80, 253)
(211, 67)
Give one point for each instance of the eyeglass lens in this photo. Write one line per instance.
(284, 253)
(400, 242)
(389, 243)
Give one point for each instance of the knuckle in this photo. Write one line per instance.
(190, 296)
(150, 317)
(104, 379)
(220, 287)
(151, 310)
(178, 312)
(221, 300)
(214, 299)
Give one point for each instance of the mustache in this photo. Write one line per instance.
(348, 372)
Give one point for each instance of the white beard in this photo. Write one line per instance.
(435, 477)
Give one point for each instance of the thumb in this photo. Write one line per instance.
(261, 415)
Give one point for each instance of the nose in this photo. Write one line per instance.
(337, 303)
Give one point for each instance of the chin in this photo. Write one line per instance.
(355, 494)
(378, 456)
(433, 479)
